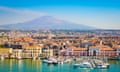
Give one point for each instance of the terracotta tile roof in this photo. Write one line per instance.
(117, 46)
(106, 49)
(32, 47)
(103, 47)
(81, 49)
(52, 43)
(17, 39)
(23, 39)
(94, 46)
(63, 50)
(27, 39)
(77, 49)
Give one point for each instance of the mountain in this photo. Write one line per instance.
(47, 22)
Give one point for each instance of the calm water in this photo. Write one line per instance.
(28, 65)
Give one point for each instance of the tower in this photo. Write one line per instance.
(101, 42)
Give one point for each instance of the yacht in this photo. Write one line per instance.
(2, 58)
(76, 64)
(19, 57)
(100, 64)
(67, 60)
(45, 60)
(85, 64)
(34, 58)
(50, 61)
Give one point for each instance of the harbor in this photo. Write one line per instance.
(30, 65)
(83, 62)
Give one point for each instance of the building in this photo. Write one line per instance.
(5, 52)
(74, 51)
(17, 53)
(117, 48)
(31, 51)
(101, 50)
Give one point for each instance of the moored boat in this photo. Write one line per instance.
(34, 58)
(85, 64)
(45, 60)
(50, 62)
(101, 64)
(2, 58)
(19, 58)
(77, 65)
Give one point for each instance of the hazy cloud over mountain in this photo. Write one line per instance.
(11, 15)
(47, 22)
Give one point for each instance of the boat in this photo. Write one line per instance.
(2, 58)
(55, 62)
(19, 57)
(67, 60)
(100, 64)
(76, 65)
(50, 61)
(85, 64)
(34, 58)
(45, 61)
(61, 60)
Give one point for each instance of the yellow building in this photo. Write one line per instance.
(31, 51)
(5, 51)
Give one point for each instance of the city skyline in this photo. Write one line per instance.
(100, 14)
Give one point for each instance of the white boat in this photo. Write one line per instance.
(77, 65)
(19, 58)
(45, 61)
(107, 64)
(85, 64)
(34, 58)
(60, 61)
(50, 62)
(2, 58)
(101, 66)
(55, 61)
(67, 60)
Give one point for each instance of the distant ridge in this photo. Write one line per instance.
(47, 22)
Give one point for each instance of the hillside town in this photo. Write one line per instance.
(46, 43)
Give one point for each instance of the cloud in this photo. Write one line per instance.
(13, 15)
(18, 11)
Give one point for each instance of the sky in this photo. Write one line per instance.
(103, 14)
